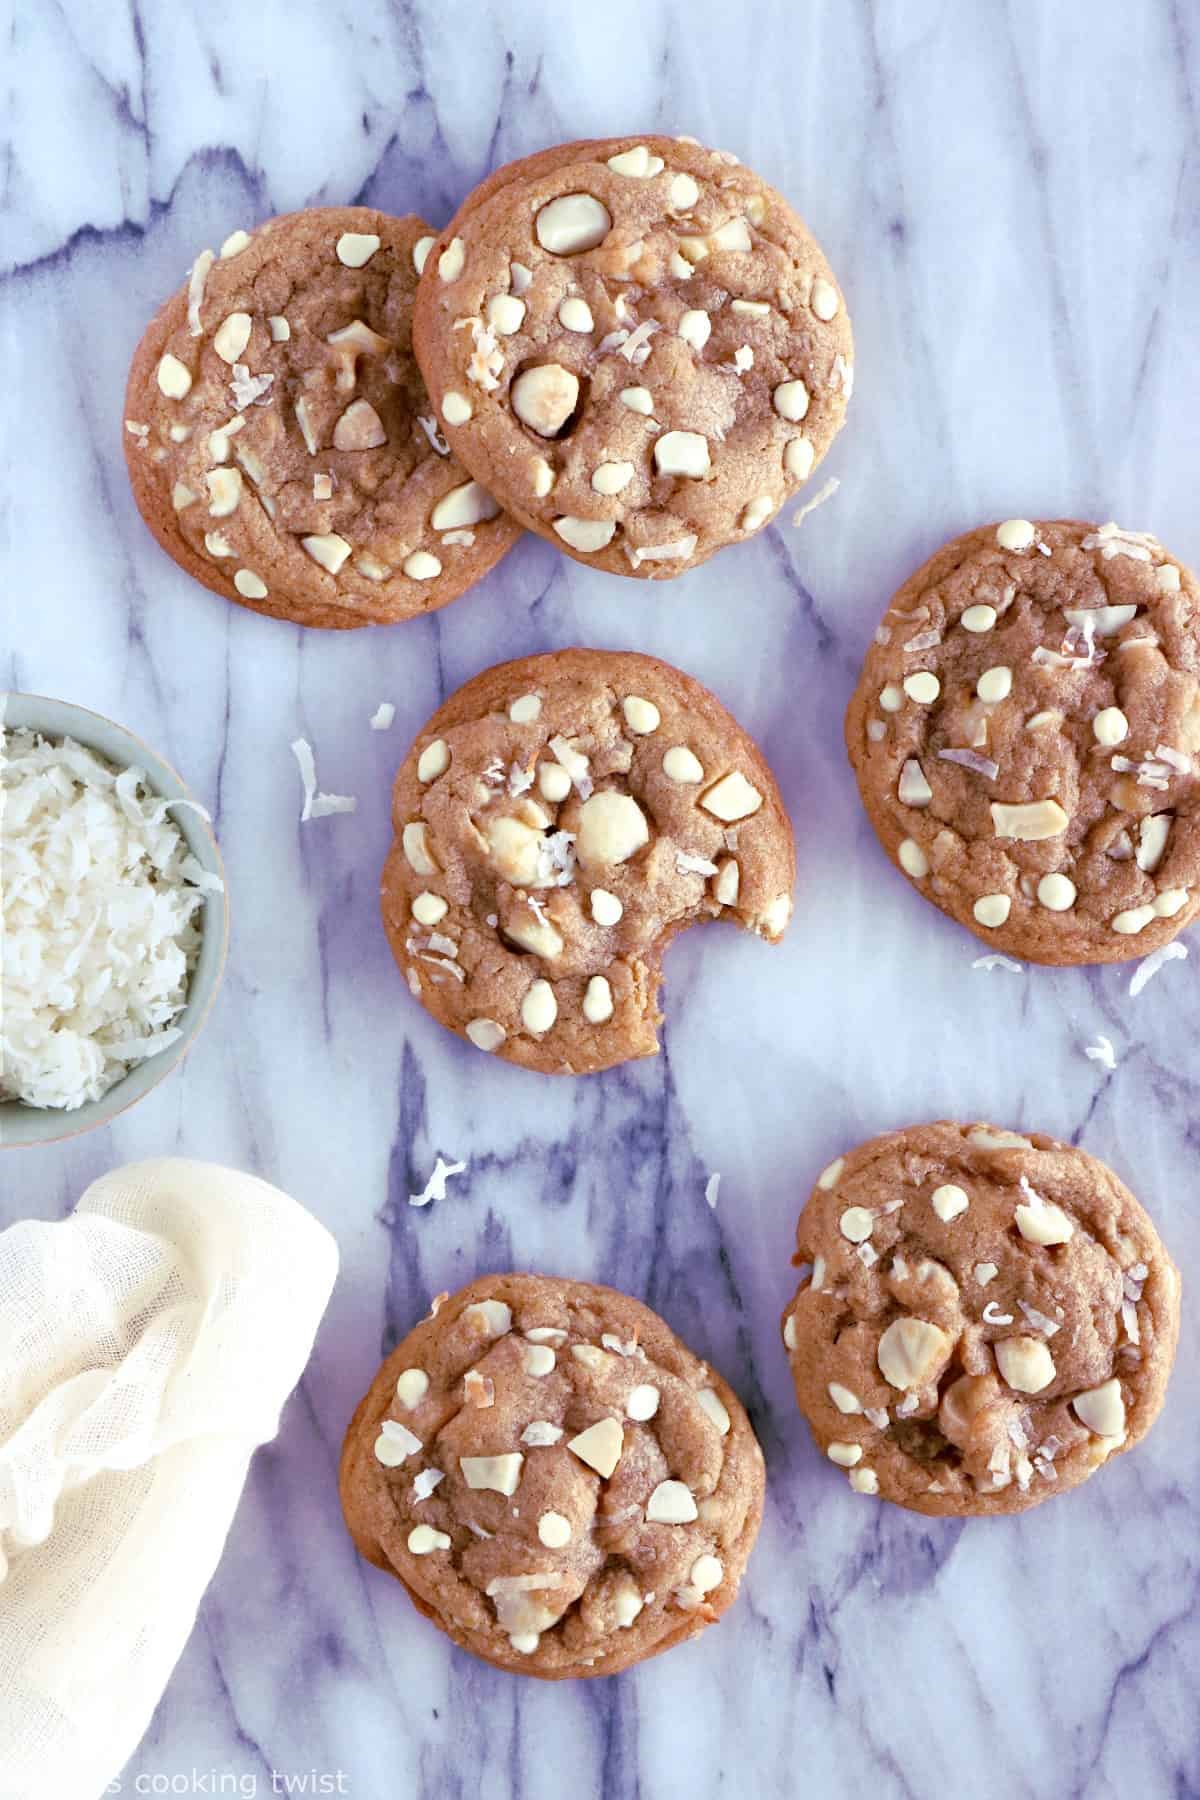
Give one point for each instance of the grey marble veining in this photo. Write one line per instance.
(1009, 193)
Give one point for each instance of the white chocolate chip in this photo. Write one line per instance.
(493, 1318)
(1129, 923)
(682, 765)
(575, 314)
(891, 698)
(707, 1573)
(554, 1530)
(216, 545)
(789, 1331)
(637, 163)
(539, 1008)
(469, 504)
(824, 299)
(542, 476)
(456, 408)
(514, 847)
(354, 248)
(1056, 893)
(978, 618)
(845, 1455)
(572, 223)
(1110, 726)
(182, 496)
(844, 1398)
(1102, 1409)
(612, 827)
(732, 798)
(234, 244)
(420, 252)
(671, 1503)
(1031, 821)
(415, 841)
(359, 428)
(1170, 902)
(637, 399)
(452, 260)
(606, 908)
(600, 1446)
(756, 513)
(790, 400)
(497, 1474)
(423, 1538)
(224, 491)
(711, 1403)
(585, 535)
(627, 1604)
(485, 1034)
(913, 859)
(684, 193)
(922, 687)
(864, 1481)
(612, 477)
(992, 910)
(913, 789)
(831, 1174)
(994, 684)
(232, 336)
(911, 1352)
(249, 584)
(1015, 534)
(429, 909)
(395, 1444)
(412, 1385)
(727, 884)
(798, 458)
(695, 327)
(1041, 1222)
(506, 314)
(682, 453)
(434, 760)
(554, 784)
(329, 550)
(856, 1224)
(421, 566)
(642, 716)
(642, 1403)
(1025, 1363)
(598, 1001)
(733, 235)
(948, 1201)
(174, 378)
(753, 309)
(985, 1272)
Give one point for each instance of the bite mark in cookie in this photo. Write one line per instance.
(1025, 735)
(637, 346)
(557, 822)
(558, 1482)
(285, 450)
(1000, 1318)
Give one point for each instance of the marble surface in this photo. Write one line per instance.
(1009, 194)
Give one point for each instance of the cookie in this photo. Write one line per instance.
(985, 1319)
(637, 345)
(558, 1482)
(280, 443)
(1025, 734)
(557, 822)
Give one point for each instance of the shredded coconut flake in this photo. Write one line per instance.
(383, 715)
(98, 903)
(712, 1188)
(556, 859)
(195, 292)
(971, 759)
(826, 493)
(996, 961)
(1176, 758)
(425, 1482)
(636, 347)
(1101, 1052)
(246, 388)
(430, 428)
(1149, 966)
(317, 805)
(693, 865)
(678, 551)
(1040, 1322)
(924, 640)
(435, 1187)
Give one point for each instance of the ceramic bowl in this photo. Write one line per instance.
(24, 1125)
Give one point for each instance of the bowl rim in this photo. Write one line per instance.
(200, 837)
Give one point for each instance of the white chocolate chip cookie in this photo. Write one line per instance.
(557, 822)
(1006, 1323)
(637, 345)
(289, 456)
(561, 1486)
(1026, 736)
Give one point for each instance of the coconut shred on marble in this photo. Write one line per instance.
(99, 903)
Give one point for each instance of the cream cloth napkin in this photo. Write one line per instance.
(147, 1345)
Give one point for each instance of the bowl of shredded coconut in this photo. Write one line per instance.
(113, 919)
